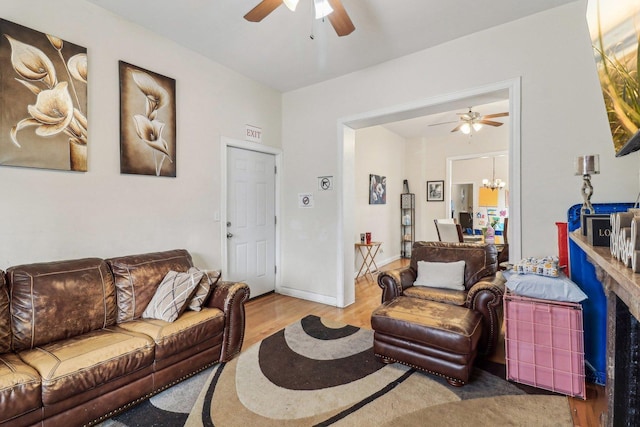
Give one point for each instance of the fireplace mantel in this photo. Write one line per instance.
(622, 289)
(613, 274)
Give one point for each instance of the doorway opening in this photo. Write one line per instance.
(347, 234)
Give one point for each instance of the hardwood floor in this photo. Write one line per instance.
(270, 313)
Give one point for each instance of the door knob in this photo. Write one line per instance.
(229, 235)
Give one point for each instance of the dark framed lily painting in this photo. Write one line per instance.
(43, 82)
(147, 122)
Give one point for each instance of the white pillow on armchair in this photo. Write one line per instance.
(445, 275)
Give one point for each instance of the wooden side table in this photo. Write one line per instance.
(368, 252)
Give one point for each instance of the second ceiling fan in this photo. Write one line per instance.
(332, 9)
(472, 120)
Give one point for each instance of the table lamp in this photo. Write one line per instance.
(586, 166)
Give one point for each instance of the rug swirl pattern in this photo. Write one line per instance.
(315, 372)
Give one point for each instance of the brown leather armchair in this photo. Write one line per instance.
(484, 287)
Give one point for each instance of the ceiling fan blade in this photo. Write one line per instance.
(492, 116)
(457, 128)
(264, 8)
(340, 19)
(442, 123)
(490, 122)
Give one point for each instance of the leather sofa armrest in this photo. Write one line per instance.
(485, 297)
(230, 298)
(394, 282)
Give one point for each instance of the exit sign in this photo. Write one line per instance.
(253, 133)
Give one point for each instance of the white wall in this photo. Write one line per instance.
(379, 152)
(562, 117)
(48, 215)
(426, 161)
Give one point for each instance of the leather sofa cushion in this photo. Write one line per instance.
(5, 317)
(137, 277)
(188, 330)
(79, 364)
(81, 292)
(19, 387)
(442, 326)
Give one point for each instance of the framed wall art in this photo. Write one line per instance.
(377, 189)
(147, 122)
(435, 191)
(43, 82)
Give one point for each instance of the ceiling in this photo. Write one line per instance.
(280, 53)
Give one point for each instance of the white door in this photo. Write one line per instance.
(251, 219)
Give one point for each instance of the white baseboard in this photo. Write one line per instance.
(323, 299)
(309, 296)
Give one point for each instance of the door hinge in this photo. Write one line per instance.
(275, 170)
(275, 220)
(275, 269)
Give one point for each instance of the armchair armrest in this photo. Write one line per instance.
(485, 297)
(394, 282)
(230, 298)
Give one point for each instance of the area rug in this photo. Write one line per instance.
(318, 373)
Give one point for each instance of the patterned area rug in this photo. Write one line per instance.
(317, 373)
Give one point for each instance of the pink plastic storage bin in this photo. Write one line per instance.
(545, 344)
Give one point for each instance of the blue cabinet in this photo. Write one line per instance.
(594, 308)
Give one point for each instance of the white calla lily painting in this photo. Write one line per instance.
(147, 122)
(43, 82)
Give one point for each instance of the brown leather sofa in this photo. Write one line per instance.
(74, 349)
(483, 286)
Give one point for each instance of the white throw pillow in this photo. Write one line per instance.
(559, 288)
(172, 295)
(446, 275)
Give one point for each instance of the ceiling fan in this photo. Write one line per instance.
(472, 120)
(333, 9)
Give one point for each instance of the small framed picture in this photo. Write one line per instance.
(435, 191)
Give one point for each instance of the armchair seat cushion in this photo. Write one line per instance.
(447, 296)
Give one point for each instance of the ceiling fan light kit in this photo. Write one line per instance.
(467, 126)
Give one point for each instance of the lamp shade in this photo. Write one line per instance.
(323, 8)
(588, 165)
(291, 4)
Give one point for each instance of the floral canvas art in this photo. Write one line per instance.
(377, 189)
(147, 122)
(43, 82)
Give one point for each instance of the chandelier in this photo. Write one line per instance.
(495, 182)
